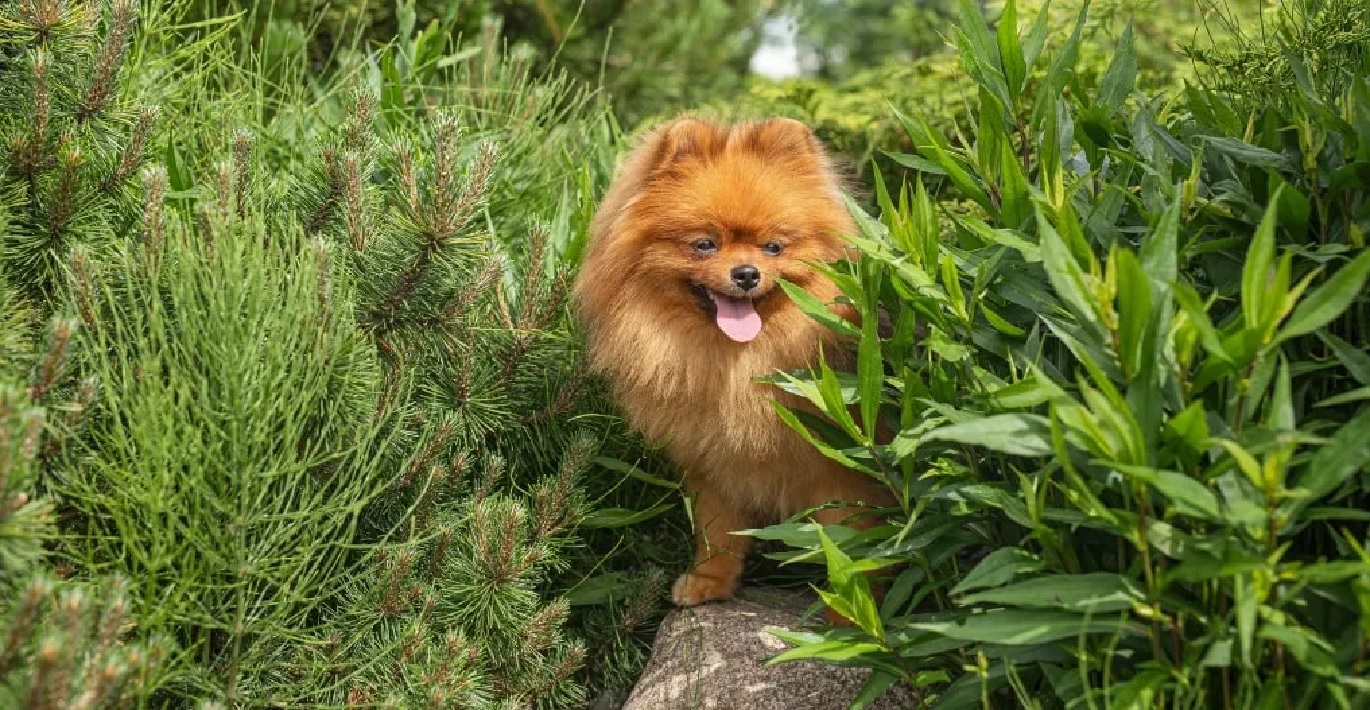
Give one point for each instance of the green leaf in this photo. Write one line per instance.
(1061, 68)
(1355, 360)
(1329, 300)
(817, 310)
(1333, 572)
(876, 684)
(1121, 76)
(1189, 301)
(793, 422)
(1016, 434)
(1095, 591)
(1065, 275)
(1098, 591)
(602, 589)
(1037, 36)
(620, 517)
(1134, 313)
(997, 568)
(1305, 645)
(1026, 627)
(634, 472)
(1160, 248)
(870, 373)
(934, 147)
(1010, 51)
(1244, 596)
(1345, 453)
(834, 650)
(914, 162)
(1244, 152)
(852, 587)
(1256, 271)
(1190, 497)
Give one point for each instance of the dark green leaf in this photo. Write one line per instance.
(1025, 627)
(1330, 299)
(620, 517)
(1015, 434)
(997, 568)
(1095, 591)
(1121, 76)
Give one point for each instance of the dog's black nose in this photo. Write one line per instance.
(746, 276)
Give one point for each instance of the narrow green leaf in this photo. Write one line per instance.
(914, 162)
(1248, 154)
(998, 567)
(634, 472)
(793, 422)
(1095, 591)
(1330, 299)
(1244, 593)
(852, 587)
(1015, 434)
(1037, 37)
(1345, 453)
(1355, 360)
(1190, 497)
(1121, 76)
(1026, 627)
(835, 650)
(815, 309)
(870, 373)
(1065, 275)
(1010, 51)
(621, 517)
(1061, 68)
(876, 684)
(1256, 271)
(1134, 313)
(1160, 248)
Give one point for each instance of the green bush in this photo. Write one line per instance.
(852, 112)
(328, 334)
(1129, 388)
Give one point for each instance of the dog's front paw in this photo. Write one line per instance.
(691, 589)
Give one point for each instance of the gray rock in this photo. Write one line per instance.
(712, 657)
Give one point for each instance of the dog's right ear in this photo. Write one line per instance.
(683, 138)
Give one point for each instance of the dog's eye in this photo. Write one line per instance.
(706, 246)
(773, 248)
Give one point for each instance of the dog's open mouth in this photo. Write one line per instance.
(736, 317)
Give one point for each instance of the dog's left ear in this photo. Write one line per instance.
(784, 136)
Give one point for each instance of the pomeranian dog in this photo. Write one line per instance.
(679, 297)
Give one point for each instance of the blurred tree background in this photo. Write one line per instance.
(838, 64)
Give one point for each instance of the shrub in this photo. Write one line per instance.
(287, 345)
(853, 112)
(1129, 391)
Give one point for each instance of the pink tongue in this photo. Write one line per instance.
(736, 317)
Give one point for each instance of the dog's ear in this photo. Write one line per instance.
(777, 137)
(684, 138)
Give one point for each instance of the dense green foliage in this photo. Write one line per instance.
(1129, 385)
(292, 409)
(308, 379)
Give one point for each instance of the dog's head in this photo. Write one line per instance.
(707, 217)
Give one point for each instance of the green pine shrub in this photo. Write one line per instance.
(317, 370)
(1129, 389)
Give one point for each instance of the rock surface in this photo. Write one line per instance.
(712, 657)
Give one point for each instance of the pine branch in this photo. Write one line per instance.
(110, 60)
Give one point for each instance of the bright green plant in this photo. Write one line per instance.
(1128, 389)
(277, 353)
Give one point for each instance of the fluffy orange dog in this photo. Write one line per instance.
(678, 292)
